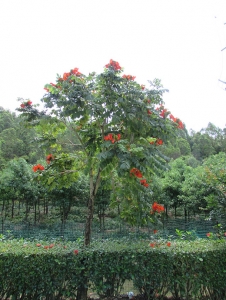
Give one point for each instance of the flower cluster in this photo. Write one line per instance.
(153, 245)
(157, 142)
(180, 125)
(138, 174)
(46, 246)
(164, 113)
(157, 208)
(113, 64)
(26, 104)
(38, 167)
(72, 72)
(49, 158)
(112, 137)
(144, 182)
(65, 77)
(129, 77)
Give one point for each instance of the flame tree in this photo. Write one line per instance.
(117, 128)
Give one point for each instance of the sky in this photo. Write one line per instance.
(177, 41)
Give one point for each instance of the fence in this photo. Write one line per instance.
(72, 230)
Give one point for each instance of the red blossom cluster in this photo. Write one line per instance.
(136, 172)
(66, 75)
(75, 252)
(76, 72)
(38, 167)
(180, 125)
(144, 182)
(129, 77)
(26, 104)
(114, 64)
(149, 112)
(157, 208)
(142, 87)
(164, 113)
(49, 158)
(153, 245)
(158, 142)
(112, 137)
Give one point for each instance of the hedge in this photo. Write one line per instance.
(187, 270)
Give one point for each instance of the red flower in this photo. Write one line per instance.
(51, 245)
(46, 247)
(28, 103)
(163, 113)
(113, 138)
(149, 112)
(155, 231)
(142, 86)
(38, 167)
(76, 252)
(76, 72)
(144, 182)
(49, 158)
(168, 244)
(66, 75)
(136, 172)
(113, 64)
(38, 245)
(172, 118)
(157, 208)
(46, 89)
(180, 125)
(159, 142)
(208, 234)
(129, 77)
(152, 245)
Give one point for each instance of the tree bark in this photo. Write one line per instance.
(82, 291)
(93, 187)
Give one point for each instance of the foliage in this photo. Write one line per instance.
(215, 172)
(15, 140)
(186, 269)
(118, 125)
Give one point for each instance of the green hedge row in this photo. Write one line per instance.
(187, 270)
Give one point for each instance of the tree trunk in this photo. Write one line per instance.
(89, 220)
(12, 212)
(93, 187)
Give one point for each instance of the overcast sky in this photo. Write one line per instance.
(177, 41)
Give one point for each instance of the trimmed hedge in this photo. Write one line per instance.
(187, 270)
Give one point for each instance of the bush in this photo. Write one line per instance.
(186, 269)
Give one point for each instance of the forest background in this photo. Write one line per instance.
(193, 184)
